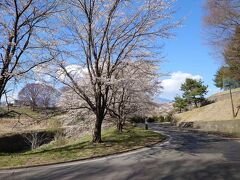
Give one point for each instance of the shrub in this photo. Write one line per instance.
(168, 118)
(137, 119)
(207, 102)
(56, 126)
(156, 119)
(152, 119)
(171, 118)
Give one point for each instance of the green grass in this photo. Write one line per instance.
(114, 142)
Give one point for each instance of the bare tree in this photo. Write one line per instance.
(38, 95)
(49, 96)
(221, 20)
(24, 34)
(36, 139)
(101, 36)
(28, 95)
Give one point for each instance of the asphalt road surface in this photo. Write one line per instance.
(186, 155)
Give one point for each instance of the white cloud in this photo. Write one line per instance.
(76, 71)
(171, 86)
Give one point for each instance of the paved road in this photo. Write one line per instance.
(186, 155)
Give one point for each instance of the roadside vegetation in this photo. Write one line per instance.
(67, 150)
(169, 118)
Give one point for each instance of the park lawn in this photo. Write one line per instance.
(114, 142)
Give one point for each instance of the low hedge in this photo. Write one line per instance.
(140, 119)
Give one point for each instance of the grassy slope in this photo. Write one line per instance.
(227, 92)
(114, 142)
(22, 110)
(28, 121)
(217, 111)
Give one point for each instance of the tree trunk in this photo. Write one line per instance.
(196, 105)
(1, 97)
(119, 125)
(33, 107)
(2, 87)
(97, 138)
(100, 108)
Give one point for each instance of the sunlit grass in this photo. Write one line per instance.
(114, 142)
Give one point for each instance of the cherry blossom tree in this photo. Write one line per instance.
(132, 89)
(132, 94)
(100, 36)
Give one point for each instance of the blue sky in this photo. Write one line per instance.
(187, 54)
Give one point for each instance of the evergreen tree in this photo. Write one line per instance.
(222, 76)
(194, 91)
(180, 104)
(218, 78)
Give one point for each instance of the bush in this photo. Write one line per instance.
(55, 125)
(137, 119)
(207, 102)
(156, 119)
(168, 118)
(152, 119)
(171, 118)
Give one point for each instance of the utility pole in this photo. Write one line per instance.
(233, 111)
(231, 97)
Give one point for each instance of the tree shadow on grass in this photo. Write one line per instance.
(117, 143)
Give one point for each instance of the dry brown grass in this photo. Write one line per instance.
(217, 111)
(227, 92)
(29, 120)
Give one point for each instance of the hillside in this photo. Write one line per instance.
(220, 110)
(224, 95)
(162, 109)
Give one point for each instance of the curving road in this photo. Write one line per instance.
(186, 155)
